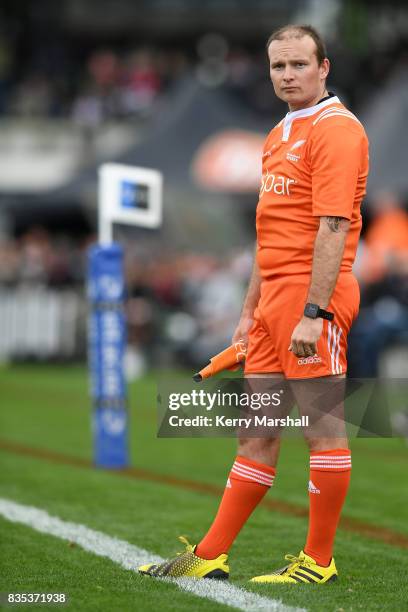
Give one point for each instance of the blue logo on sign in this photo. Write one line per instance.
(128, 194)
(134, 195)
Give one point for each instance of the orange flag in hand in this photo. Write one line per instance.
(229, 359)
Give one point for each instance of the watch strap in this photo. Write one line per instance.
(325, 314)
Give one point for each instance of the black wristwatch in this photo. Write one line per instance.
(313, 311)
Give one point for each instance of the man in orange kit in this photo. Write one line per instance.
(301, 302)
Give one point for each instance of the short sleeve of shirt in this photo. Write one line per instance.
(336, 154)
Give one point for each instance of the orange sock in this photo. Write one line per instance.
(246, 486)
(328, 484)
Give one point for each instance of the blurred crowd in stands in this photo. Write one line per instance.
(106, 85)
(39, 258)
(183, 307)
(106, 82)
(179, 304)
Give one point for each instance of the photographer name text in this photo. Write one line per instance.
(223, 421)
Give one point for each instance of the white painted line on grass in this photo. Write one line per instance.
(130, 557)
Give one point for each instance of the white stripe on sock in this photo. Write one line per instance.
(332, 457)
(249, 469)
(254, 477)
(330, 462)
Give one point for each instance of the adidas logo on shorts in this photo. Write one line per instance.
(308, 360)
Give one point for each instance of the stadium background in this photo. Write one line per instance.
(183, 87)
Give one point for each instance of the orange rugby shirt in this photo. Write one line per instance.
(314, 164)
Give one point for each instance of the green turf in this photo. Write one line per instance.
(42, 563)
(48, 408)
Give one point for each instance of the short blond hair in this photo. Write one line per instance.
(298, 31)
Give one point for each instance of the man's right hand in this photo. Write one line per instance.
(242, 329)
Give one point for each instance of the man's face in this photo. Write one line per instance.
(295, 73)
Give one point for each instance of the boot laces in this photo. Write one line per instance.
(189, 547)
(294, 562)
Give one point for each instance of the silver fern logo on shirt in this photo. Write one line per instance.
(295, 157)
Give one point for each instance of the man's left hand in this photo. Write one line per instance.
(307, 332)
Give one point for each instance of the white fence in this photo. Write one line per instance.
(39, 322)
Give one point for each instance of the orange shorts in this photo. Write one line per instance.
(280, 309)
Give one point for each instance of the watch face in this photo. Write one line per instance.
(311, 310)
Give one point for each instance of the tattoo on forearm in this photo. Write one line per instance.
(334, 223)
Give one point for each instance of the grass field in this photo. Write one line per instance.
(46, 409)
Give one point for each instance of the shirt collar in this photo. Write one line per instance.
(305, 112)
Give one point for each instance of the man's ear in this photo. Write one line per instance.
(324, 68)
